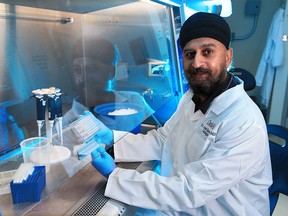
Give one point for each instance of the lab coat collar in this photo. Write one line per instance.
(227, 98)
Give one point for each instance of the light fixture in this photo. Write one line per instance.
(226, 6)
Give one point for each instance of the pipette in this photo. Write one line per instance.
(59, 116)
(44, 96)
(57, 109)
(51, 113)
(40, 108)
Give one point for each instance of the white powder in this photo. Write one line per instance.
(127, 111)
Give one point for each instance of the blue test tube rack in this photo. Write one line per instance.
(29, 190)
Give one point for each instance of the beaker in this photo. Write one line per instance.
(36, 150)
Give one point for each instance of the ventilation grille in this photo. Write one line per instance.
(94, 204)
(132, 165)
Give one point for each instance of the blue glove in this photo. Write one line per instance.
(104, 135)
(102, 161)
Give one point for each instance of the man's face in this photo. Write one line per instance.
(205, 64)
(92, 73)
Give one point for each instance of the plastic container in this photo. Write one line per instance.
(30, 189)
(124, 122)
(37, 150)
(5, 179)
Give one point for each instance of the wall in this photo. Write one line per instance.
(279, 104)
(247, 53)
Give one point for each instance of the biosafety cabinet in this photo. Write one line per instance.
(94, 54)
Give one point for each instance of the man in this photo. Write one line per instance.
(214, 150)
(94, 70)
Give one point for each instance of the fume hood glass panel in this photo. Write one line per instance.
(138, 33)
(35, 53)
(96, 59)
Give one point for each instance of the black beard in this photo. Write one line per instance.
(209, 85)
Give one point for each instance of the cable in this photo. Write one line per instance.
(250, 33)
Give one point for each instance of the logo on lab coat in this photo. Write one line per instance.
(208, 128)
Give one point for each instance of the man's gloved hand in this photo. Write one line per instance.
(104, 135)
(102, 161)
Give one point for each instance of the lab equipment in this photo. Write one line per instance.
(22, 173)
(55, 112)
(30, 189)
(87, 148)
(156, 67)
(278, 139)
(47, 97)
(49, 111)
(40, 108)
(126, 121)
(5, 179)
(149, 92)
(87, 127)
(51, 117)
(58, 108)
(103, 162)
(37, 150)
(85, 134)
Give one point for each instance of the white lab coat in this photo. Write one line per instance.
(272, 57)
(212, 164)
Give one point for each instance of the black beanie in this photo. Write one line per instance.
(205, 25)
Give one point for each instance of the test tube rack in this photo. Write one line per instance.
(30, 189)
